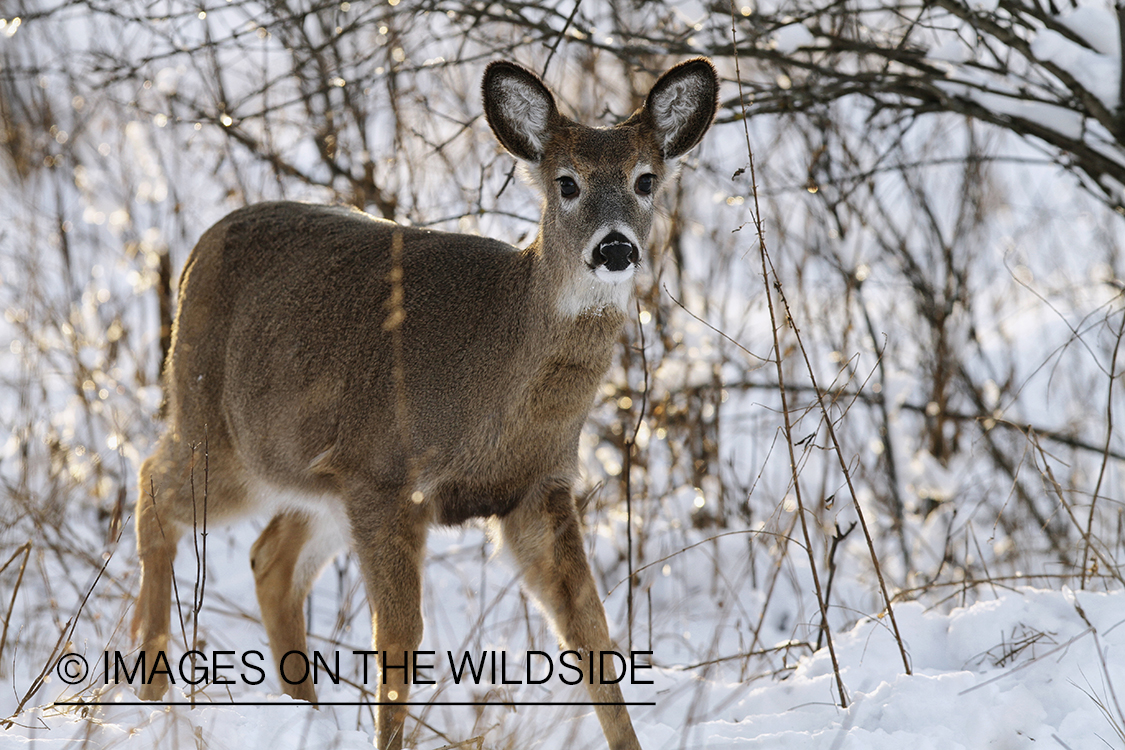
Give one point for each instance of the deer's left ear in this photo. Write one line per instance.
(682, 104)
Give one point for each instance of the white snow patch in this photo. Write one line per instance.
(1098, 26)
(1097, 73)
(1024, 668)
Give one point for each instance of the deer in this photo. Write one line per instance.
(358, 381)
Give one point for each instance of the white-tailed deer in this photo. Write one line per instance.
(360, 380)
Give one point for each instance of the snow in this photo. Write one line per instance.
(1011, 668)
(1096, 25)
(1096, 72)
(1028, 668)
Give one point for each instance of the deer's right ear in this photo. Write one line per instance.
(519, 109)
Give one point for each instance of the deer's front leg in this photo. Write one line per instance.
(389, 533)
(545, 537)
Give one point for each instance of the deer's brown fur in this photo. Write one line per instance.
(360, 380)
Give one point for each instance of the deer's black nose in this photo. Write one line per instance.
(616, 252)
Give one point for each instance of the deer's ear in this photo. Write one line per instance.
(682, 104)
(519, 109)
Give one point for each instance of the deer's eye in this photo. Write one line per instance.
(644, 184)
(568, 188)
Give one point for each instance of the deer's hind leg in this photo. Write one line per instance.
(287, 559)
(544, 535)
(180, 491)
(158, 529)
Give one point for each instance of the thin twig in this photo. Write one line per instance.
(63, 639)
(763, 253)
(1105, 451)
(701, 542)
(1030, 662)
(1111, 569)
(25, 548)
(840, 456)
(631, 443)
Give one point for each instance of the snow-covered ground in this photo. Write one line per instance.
(1028, 668)
(724, 604)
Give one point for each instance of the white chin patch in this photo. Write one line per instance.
(615, 277)
(605, 289)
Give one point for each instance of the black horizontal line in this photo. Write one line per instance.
(353, 703)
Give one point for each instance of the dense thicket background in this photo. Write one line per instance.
(940, 187)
